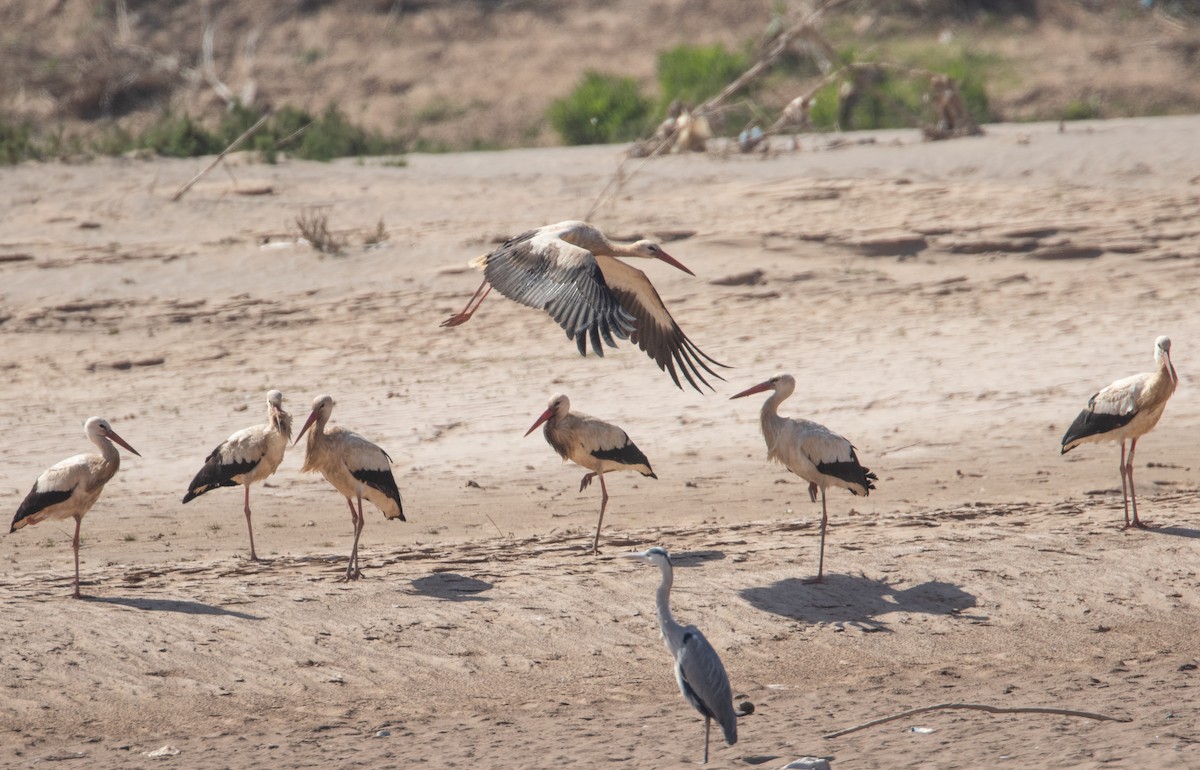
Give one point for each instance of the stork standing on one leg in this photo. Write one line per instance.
(354, 466)
(1127, 410)
(250, 455)
(811, 451)
(592, 444)
(70, 488)
(698, 669)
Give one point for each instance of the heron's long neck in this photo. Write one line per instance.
(670, 630)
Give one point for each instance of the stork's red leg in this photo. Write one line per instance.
(603, 505)
(586, 481)
(1124, 484)
(820, 578)
(1138, 523)
(75, 547)
(472, 305)
(249, 527)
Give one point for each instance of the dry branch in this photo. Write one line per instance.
(980, 707)
(232, 146)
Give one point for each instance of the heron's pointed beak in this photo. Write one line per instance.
(759, 388)
(112, 434)
(307, 424)
(665, 257)
(639, 556)
(546, 415)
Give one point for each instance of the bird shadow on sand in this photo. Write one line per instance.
(452, 587)
(1175, 531)
(173, 605)
(855, 599)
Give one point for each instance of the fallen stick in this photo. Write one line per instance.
(980, 707)
(232, 145)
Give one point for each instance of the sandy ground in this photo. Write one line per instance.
(903, 285)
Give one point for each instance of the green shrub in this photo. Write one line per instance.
(1082, 109)
(602, 109)
(16, 143)
(693, 73)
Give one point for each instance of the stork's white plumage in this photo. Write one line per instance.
(1127, 410)
(70, 488)
(809, 450)
(354, 466)
(569, 270)
(250, 455)
(592, 444)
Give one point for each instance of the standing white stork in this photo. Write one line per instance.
(592, 444)
(71, 487)
(354, 466)
(698, 670)
(811, 451)
(569, 270)
(1127, 409)
(250, 455)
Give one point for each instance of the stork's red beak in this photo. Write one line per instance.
(546, 415)
(665, 257)
(307, 424)
(112, 434)
(759, 388)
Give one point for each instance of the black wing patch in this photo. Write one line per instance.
(578, 298)
(385, 482)
(215, 474)
(670, 348)
(852, 471)
(628, 454)
(36, 502)
(1090, 423)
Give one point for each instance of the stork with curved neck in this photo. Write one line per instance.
(811, 451)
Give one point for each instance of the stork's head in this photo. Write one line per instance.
(559, 407)
(98, 428)
(650, 250)
(321, 409)
(784, 384)
(656, 556)
(275, 398)
(1162, 355)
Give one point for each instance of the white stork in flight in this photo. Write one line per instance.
(570, 271)
(250, 455)
(70, 488)
(592, 444)
(811, 451)
(354, 466)
(1127, 410)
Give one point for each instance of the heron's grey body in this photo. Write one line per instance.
(698, 670)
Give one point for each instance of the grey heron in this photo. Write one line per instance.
(698, 670)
